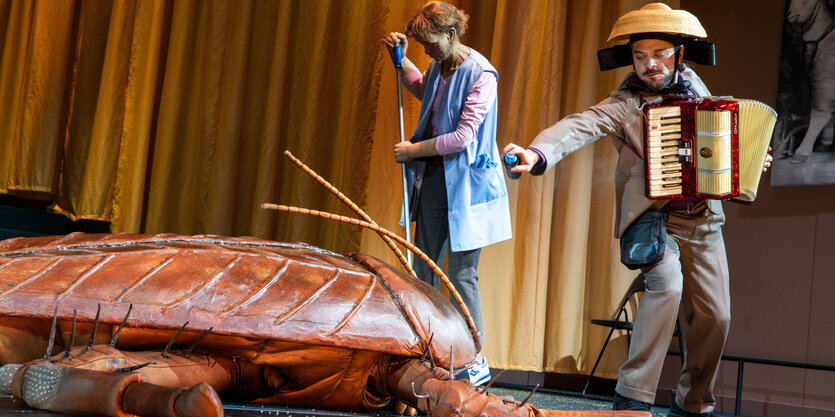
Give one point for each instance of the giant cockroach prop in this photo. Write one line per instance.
(166, 325)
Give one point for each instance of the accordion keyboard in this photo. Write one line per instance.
(665, 151)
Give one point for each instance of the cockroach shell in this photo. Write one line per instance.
(246, 289)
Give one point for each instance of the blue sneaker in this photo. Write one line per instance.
(479, 372)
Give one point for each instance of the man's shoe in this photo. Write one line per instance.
(479, 373)
(676, 411)
(624, 403)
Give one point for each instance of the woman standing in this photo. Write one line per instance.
(457, 191)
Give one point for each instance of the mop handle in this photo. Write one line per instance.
(398, 64)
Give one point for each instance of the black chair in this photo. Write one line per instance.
(639, 285)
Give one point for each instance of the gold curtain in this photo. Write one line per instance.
(561, 269)
(172, 116)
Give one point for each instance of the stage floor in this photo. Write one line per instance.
(548, 399)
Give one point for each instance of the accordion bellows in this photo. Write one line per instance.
(707, 148)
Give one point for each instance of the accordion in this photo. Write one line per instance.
(707, 148)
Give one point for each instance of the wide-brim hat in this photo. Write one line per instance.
(657, 17)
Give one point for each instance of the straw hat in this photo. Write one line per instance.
(657, 17)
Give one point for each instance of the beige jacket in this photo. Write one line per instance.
(620, 116)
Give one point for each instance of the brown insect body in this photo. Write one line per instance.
(262, 300)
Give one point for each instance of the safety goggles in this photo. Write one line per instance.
(657, 56)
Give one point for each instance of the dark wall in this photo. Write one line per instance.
(27, 217)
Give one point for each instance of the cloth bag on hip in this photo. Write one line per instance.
(643, 242)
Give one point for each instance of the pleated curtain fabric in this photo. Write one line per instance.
(173, 116)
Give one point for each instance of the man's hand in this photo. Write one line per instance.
(527, 158)
(768, 159)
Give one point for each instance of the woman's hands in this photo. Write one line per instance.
(406, 151)
(403, 151)
(392, 40)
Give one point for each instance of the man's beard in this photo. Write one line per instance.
(656, 84)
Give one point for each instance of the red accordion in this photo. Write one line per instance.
(707, 148)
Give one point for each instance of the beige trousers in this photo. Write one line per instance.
(694, 272)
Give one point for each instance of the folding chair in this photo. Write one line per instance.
(639, 284)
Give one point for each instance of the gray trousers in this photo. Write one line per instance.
(694, 272)
(432, 237)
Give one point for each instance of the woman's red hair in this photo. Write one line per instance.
(436, 18)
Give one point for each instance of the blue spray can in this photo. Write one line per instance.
(511, 161)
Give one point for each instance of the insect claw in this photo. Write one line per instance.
(119, 330)
(529, 396)
(52, 334)
(188, 350)
(171, 342)
(93, 333)
(134, 367)
(426, 349)
(451, 374)
(68, 352)
(492, 380)
(416, 394)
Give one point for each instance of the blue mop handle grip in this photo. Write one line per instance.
(398, 56)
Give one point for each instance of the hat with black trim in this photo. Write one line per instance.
(657, 21)
(657, 17)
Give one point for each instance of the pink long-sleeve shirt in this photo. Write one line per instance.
(478, 103)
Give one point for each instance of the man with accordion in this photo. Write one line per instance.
(688, 266)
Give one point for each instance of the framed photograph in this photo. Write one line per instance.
(804, 153)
